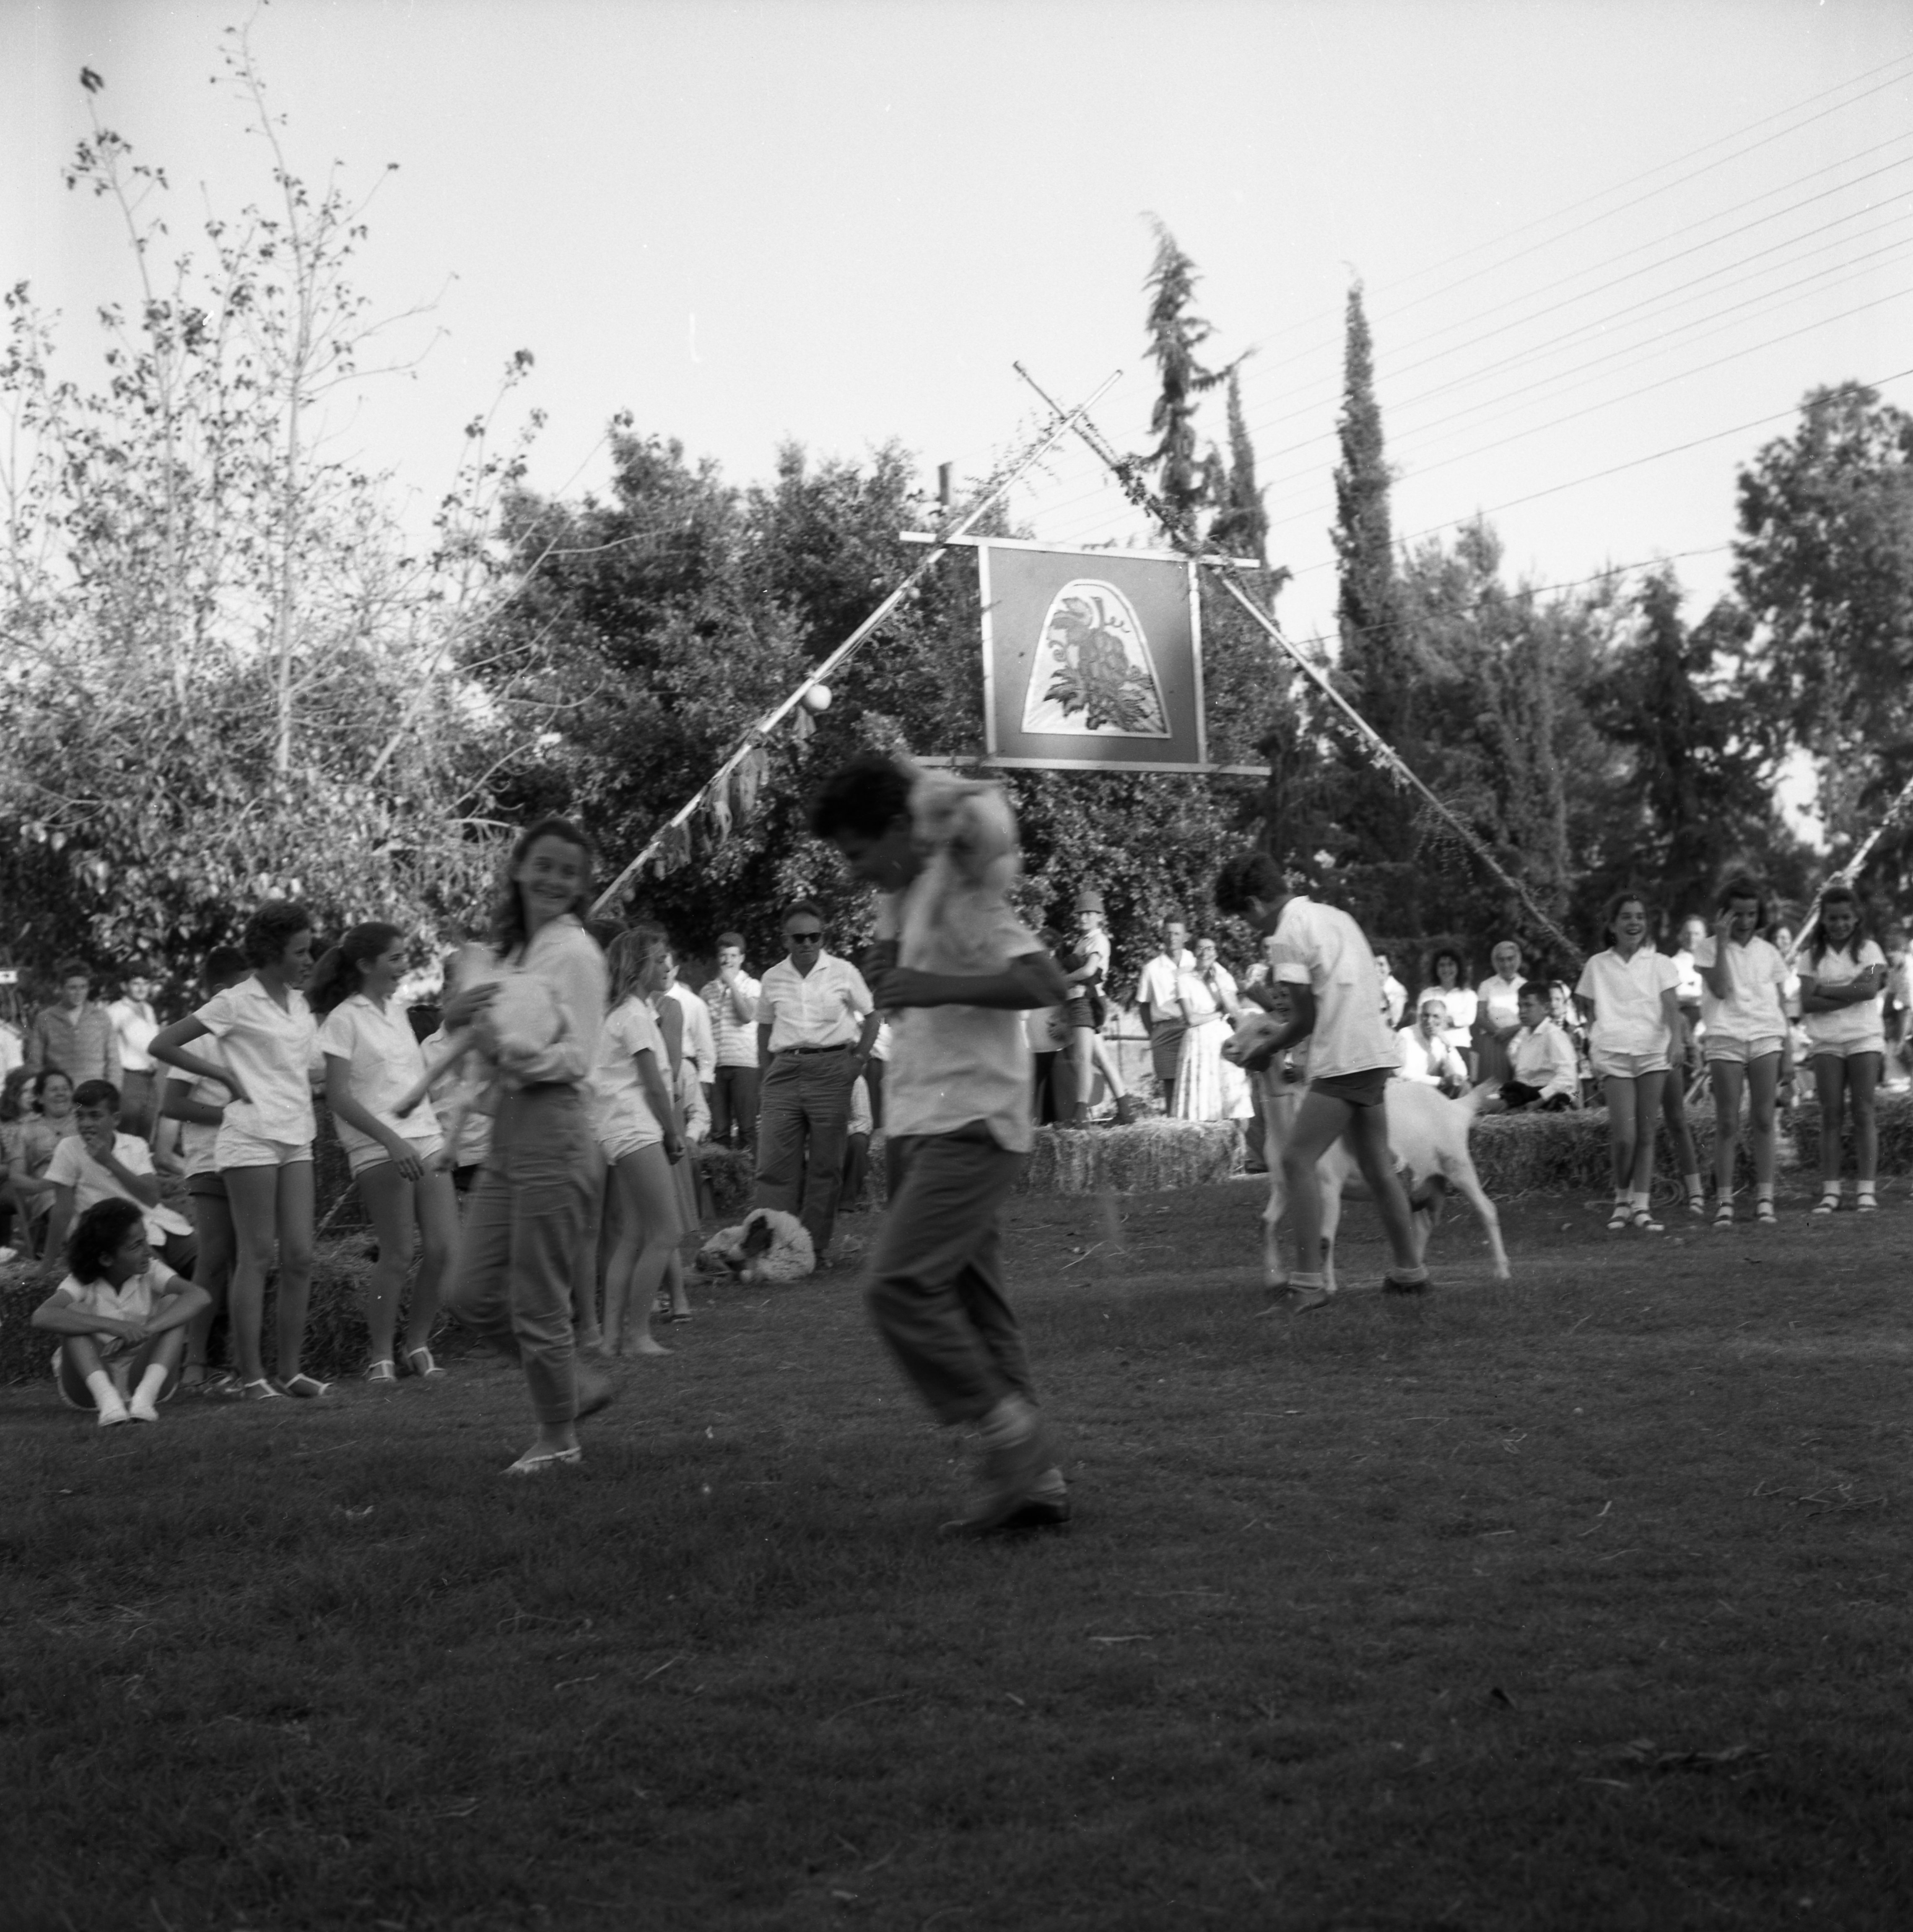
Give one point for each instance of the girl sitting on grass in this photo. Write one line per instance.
(1843, 975)
(1743, 978)
(122, 1316)
(1639, 1035)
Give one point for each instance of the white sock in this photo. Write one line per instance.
(100, 1385)
(146, 1396)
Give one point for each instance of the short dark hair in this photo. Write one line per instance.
(97, 1233)
(72, 969)
(1248, 875)
(864, 798)
(1535, 989)
(46, 1074)
(97, 1093)
(799, 909)
(223, 965)
(1741, 887)
(1626, 895)
(272, 929)
(736, 939)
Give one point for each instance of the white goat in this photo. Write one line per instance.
(1428, 1135)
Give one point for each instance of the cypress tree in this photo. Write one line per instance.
(1368, 608)
(1176, 332)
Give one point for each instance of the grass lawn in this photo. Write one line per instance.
(1578, 1602)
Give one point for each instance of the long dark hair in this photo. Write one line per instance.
(97, 1234)
(338, 974)
(1462, 982)
(1816, 945)
(508, 931)
(1742, 887)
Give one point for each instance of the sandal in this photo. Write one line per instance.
(1619, 1218)
(1827, 1204)
(1764, 1213)
(1866, 1204)
(1642, 1222)
(386, 1370)
(308, 1386)
(419, 1361)
(1697, 1206)
(1723, 1215)
(261, 1391)
(542, 1461)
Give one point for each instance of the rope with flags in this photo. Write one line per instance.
(1130, 479)
(731, 791)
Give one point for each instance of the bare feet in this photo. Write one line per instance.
(641, 1342)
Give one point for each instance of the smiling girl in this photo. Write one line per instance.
(1743, 978)
(1637, 1033)
(372, 1060)
(1843, 975)
(528, 1213)
(264, 1148)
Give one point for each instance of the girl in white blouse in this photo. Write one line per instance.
(1843, 975)
(372, 1059)
(264, 1149)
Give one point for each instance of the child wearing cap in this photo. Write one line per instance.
(1086, 967)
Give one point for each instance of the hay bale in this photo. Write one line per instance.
(1541, 1153)
(1141, 1159)
(1895, 1116)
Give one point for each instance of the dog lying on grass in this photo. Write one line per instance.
(1428, 1134)
(767, 1245)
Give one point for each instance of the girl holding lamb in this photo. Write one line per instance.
(372, 1061)
(1637, 1036)
(536, 1018)
(1843, 976)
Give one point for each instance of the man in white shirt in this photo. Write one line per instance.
(959, 1109)
(815, 1025)
(731, 1000)
(700, 1038)
(134, 1024)
(1335, 991)
(98, 1162)
(1158, 996)
(1544, 1077)
(1394, 995)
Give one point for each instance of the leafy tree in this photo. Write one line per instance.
(1696, 803)
(1241, 525)
(1176, 332)
(1824, 567)
(209, 623)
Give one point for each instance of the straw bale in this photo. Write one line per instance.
(1895, 1114)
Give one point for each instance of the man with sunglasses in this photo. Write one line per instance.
(815, 1024)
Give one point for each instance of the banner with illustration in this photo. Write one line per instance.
(1091, 659)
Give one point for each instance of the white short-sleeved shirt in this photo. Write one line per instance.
(1543, 1056)
(72, 1166)
(1156, 989)
(133, 1026)
(1688, 990)
(1844, 1026)
(274, 1051)
(1754, 1010)
(621, 1114)
(1501, 999)
(823, 1007)
(134, 1300)
(457, 1102)
(383, 1063)
(1629, 1013)
(951, 1066)
(1322, 948)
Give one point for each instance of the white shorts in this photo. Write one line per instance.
(1847, 1049)
(1610, 1064)
(1742, 1052)
(235, 1147)
(361, 1159)
(630, 1142)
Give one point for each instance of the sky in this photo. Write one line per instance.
(1605, 248)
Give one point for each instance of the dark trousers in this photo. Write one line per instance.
(872, 1081)
(1165, 1052)
(1055, 1096)
(1518, 1094)
(935, 1286)
(803, 1120)
(137, 1114)
(734, 1104)
(524, 1222)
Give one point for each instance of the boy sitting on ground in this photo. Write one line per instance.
(100, 1163)
(122, 1316)
(1544, 1075)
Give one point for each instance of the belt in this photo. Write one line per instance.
(842, 1046)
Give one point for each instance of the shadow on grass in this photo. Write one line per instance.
(1576, 1601)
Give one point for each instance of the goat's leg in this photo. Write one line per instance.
(1461, 1177)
